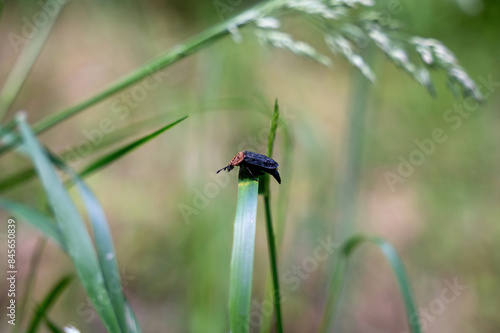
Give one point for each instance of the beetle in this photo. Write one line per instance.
(255, 163)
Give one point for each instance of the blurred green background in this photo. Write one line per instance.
(171, 215)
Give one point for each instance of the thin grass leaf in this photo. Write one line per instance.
(104, 244)
(392, 257)
(271, 242)
(109, 158)
(25, 62)
(240, 280)
(117, 136)
(16, 179)
(73, 231)
(49, 300)
(37, 219)
(30, 283)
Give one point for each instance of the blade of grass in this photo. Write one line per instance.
(30, 283)
(73, 230)
(42, 309)
(109, 158)
(271, 243)
(240, 280)
(16, 179)
(25, 175)
(104, 244)
(25, 62)
(177, 53)
(392, 257)
(37, 219)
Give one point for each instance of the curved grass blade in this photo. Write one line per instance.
(104, 244)
(392, 257)
(240, 280)
(25, 62)
(42, 309)
(109, 158)
(72, 226)
(37, 219)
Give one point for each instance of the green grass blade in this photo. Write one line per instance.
(115, 137)
(271, 242)
(37, 219)
(109, 158)
(392, 257)
(16, 179)
(177, 53)
(72, 226)
(240, 280)
(30, 283)
(42, 309)
(25, 62)
(104, 244)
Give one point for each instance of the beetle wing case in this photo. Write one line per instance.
(260, 160)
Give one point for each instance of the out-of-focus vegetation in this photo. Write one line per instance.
(171, 215)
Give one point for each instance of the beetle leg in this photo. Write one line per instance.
(249, 171)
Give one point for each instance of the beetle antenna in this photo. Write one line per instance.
(224, 168)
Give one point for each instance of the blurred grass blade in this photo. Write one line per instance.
(109, 158)
(37, 219)
(392, 257)
(25, 61)
(271, 242)
(73, 230)
(177, 53)
(30, 283)
(118, 135)
(240, 280)
(16, 179)
(104, 244)
(42, 309)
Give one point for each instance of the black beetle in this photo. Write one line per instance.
(256, 164)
